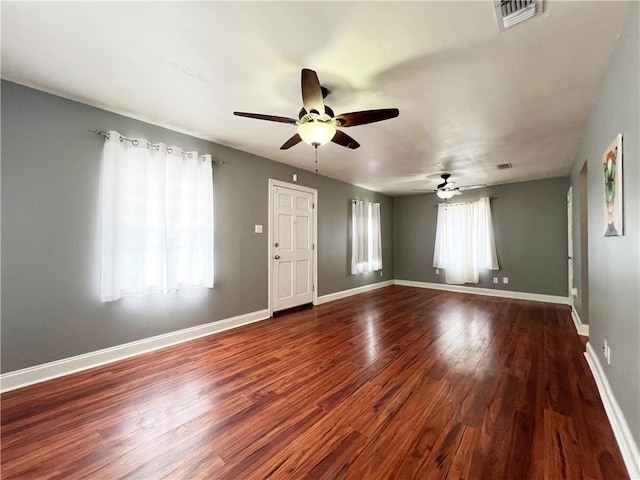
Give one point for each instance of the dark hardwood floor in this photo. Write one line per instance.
(396, 383)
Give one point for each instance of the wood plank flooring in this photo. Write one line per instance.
(396, 383)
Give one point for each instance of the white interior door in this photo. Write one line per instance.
(292, 247)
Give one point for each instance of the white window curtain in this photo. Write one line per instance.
(366, 240)
(464, 241)
(157, 218)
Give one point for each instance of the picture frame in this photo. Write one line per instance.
(613, 189)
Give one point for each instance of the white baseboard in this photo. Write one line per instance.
(536, 297)
(353, 291)
(581, 328)
(47, 371)
(621, 430)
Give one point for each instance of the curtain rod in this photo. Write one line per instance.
(456, 203)
(459, 203)
(149, 144)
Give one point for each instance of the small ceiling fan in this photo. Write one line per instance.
(447, 189)
(317, 124)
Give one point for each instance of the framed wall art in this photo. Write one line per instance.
(613, 194)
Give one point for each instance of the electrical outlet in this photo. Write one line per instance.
(380, 272)
(505, 280)
(437, 271)
(495, 279)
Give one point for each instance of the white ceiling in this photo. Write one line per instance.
(470, 97)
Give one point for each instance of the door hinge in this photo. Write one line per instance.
(313, 206)
(313, 246)
(313, 288)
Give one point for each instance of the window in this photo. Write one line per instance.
(464, 241)
(157, 218)
(366, 242)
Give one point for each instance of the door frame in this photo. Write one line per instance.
(314, 236)
(570, 271)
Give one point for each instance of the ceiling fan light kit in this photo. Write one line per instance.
(316, 133)
(446, 194)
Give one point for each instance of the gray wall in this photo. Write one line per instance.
(530, 227)
(614, 263)
(50, 185)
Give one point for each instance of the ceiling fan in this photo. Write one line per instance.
(447, 189)
(317, 124)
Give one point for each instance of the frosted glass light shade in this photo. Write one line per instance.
(445, 194)
(316, 133)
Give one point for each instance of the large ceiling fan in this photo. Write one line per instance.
(317, 124)
(448, 189)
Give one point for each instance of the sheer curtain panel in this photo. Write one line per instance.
(157, 218)
(366, 239)
(464, 241)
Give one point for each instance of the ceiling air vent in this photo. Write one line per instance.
(504, 166)
(512, 12)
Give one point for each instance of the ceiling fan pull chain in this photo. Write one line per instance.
(316, 158)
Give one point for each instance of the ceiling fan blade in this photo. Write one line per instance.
(472, 187)
(366, 116)
(270, 118)
(423, 190)
(312, 98)
(442, 185)
(291, 142)
(345, 140)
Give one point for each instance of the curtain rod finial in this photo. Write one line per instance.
(97, 131)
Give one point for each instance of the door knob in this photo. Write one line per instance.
(277, 257)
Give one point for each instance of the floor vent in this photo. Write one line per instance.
(513, 12)
(504, 166)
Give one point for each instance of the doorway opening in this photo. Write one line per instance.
(584, 245)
